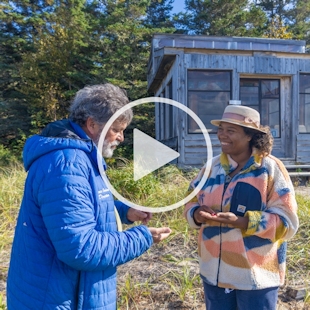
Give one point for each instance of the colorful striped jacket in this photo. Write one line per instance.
(254, 258)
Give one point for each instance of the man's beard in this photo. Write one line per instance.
(108, 148)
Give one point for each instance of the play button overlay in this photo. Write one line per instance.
(149, 154)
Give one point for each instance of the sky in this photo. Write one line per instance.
(178, 6)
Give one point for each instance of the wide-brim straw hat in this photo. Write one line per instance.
(242, 116)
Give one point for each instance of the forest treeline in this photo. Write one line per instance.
(49, 49)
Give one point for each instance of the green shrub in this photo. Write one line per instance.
(7, 157)
(163, 187)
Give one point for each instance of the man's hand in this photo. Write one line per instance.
(160, 233)
(137, 215)
(204, 214)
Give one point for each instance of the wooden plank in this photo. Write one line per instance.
(200, 142)
(288, 117)
(171, 142)
(303, 137)
(304, 149)
(181, 97)
(297, 166)
(278, 153)
(295, 174)
(303, 158)
(194, 161)
(157, 129)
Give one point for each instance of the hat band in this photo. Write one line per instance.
(238, 117)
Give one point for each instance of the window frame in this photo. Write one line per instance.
(260, 101)
(304, 106)
(209, 126)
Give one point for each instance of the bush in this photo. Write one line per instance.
(163, 187)
(7, 158)
(122, 178)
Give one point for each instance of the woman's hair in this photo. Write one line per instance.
(263, 142)
(99, 102)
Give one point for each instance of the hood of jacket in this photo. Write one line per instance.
(55, 136)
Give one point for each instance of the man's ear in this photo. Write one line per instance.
(90, 126)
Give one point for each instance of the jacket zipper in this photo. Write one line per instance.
(225, 188)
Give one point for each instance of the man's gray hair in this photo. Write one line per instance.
(99, 102)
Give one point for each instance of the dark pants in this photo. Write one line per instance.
(217, 298)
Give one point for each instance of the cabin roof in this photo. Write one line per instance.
(228, 43)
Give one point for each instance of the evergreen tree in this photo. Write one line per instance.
(274, 8)
(222, 18)
(298, 20)
(47, 57)
(18, 24)
(52, 49)
(291, 17)
(158, 14)
(59, 63)
(125, 41)
(277, 30)
(125, 45)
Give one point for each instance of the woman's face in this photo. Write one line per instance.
(233, 139)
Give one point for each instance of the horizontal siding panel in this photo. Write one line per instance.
(196, 151)
(303, 157)
(199, 142)
(278, 153)
(195, 162)
(304, 138)
(303, 148)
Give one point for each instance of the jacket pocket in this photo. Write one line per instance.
(245, 198)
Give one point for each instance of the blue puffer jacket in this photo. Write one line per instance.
(66, 246)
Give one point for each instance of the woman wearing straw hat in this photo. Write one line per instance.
(246, 212)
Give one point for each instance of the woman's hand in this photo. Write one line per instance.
(137, 215)
(160, 233)
(204, 214)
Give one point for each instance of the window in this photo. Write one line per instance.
(304, 103)
(264, 96)
(208, 94)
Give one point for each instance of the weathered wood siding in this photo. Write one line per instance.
(303, 148)
(244, 66)
(173, 56)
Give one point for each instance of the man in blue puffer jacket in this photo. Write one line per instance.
(66, 246)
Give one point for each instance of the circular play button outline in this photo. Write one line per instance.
(188, 111)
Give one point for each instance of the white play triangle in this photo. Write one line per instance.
(149, 154)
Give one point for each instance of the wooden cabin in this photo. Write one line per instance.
(205, 73)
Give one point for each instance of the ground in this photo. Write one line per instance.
(164, 270)
(166, 277)
(169, 272)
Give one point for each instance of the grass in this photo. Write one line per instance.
(164, 187)
(11, 189)
(298, 259)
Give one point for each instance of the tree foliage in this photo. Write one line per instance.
(49, 49)
(222, 18)
(287, 18)
(158, 14)
(277, 30)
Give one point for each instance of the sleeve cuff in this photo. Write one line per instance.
(190, 218)
(122, 211)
